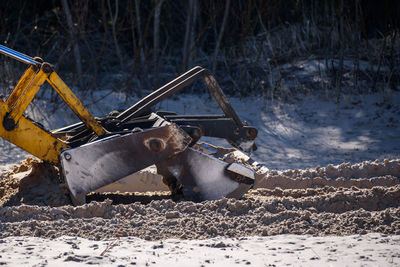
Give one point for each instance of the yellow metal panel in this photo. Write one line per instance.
(74, 103)
(27, 96)
(21, 85)
(31, 138)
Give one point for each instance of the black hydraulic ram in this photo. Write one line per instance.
(228, 126)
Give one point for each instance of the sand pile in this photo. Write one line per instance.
(340, 200)
(362, 175)
(33, 183)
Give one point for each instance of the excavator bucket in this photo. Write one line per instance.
(205, 177)
(96, 164)
(185, 170)
(100, 151)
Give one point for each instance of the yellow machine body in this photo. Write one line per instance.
(88, 162)
(24, 133)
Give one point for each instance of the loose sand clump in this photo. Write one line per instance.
(362, 175)
(332, 200)
(366, 169)
(33, 182)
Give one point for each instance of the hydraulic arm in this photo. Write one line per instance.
(98, 151)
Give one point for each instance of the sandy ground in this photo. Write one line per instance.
(341, 200)
(348, 212)
(281, 250)
(342, 214)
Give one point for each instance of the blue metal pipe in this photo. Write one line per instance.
(17, 55)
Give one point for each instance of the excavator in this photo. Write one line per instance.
(98, 151)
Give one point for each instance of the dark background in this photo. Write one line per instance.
(132, 45)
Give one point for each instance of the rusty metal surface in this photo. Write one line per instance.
(227, 125)
(238, 134)
(221, 127)
(220, 97)
(203, 177)
(162, 93)
(102, 162)
(178, 84)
